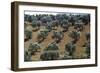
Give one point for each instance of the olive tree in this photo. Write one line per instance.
(28, 35)
(72, 19)
(87, 36)
(87, 48)
(27, 56)
(59, 18)
(52, 46)
(75, 35)
(49, 55)
(45, 19)
(36, 25)
(79, 25)
(34, 47)
(28, 18)
(88, 51)
(42, 35)
(58, 36)
(50, 52)
(70, 47)
(85, 18)
(25, 17)
(54, 24)
(66, 56)
(49, 26)
(65, 25)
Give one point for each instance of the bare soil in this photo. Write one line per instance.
(79, 52)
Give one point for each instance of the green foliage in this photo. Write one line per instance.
(74, 34)
(65, 25)
(72, 19)
(58, 36)
(28, 34)
(55, 23)
(70, 47)
(49, 55)
(51, 22)
(52, 46)
(65, 22)
(34, 47)
(49, 26)
(79, 25)
(43, 34)
(34, 24)
(58, 18)
(34, 18)
(45, 19)
(85, 18)
(87, 47)
(87, 36)
(28, 18)
(66, 56)
(27, 56)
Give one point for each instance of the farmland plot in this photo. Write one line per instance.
(56, 37)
